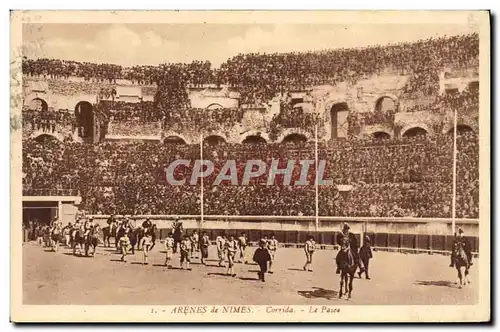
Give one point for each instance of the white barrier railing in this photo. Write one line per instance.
(298, 218)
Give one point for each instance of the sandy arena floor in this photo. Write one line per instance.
(397, 279)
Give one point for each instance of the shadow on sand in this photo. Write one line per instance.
(319, 293)
(441, 283)
(218, 274)
(249, 279)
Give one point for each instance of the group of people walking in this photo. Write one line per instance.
(230, 249)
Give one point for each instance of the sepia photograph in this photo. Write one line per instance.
(250, 166)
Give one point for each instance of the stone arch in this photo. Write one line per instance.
(214, 139)
(461, 128)
(39, 134)
(338, 113)
(84, 114)
(214, 106)
(171, 136)
(465, 122)
(83, 101)
(294, 131)
(44, 106)
(473, 85)
(35, 95)
(253, 139)
(381, 135)
(415, 128)
(378, 128)
(294, 138)
(415, 125)
(330, 102)
(255, 134)
(380, 99)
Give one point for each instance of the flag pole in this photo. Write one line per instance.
(316, 163)
(201, 189)
(454, 198)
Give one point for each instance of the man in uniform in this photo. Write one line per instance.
(124, 245)
(261, 257)
(231, 247)
(185, 247)
(89, 224)
(353, 243)
(220, 242)
(195, 242)
(177, 230)
(205, 243)
(309, 248)
(146, 226)
(111, 220)
(169, 246)
(272, 246)
(242, 243)
(462, 241)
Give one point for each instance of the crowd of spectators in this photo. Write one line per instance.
(466, 100)
(46, 120)
(407, 177)
(260, 77)
(411, 177)
(197, 119)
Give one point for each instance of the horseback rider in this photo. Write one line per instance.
(76, 227)
(460, 240)
(126, 224)
(147, 224)
(89, 224)
(111, 222)
(353, 243)
(111, 219)
(177, 230)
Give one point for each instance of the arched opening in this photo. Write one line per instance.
(295, 138)
(173, 140)
(214, 106)
(38, 105)
(462, 130)
(385, 104)
(381, 135)
(473, 86)
(254, 139)
(214, 140)
(415, 132)
(84, 114)
(339, 113)
(46, 138)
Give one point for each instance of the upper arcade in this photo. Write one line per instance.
(389, 91)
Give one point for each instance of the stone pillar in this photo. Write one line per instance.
(59, 211)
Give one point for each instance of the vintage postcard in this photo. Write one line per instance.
(250, 166)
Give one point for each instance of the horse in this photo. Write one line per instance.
(109, 232)
(132, 235)
(92, 240)
(348, 266)
(153, 231)
(77, 240)
(139, 234)
(177, 230)
(461, 262)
